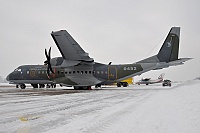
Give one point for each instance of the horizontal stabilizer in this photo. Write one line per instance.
(179, 61)
(172, 63)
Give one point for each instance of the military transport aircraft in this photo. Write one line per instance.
(75, 67)
(148, 81)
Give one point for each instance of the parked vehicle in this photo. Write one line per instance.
(166, 83)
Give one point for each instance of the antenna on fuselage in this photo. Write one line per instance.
(109, 63)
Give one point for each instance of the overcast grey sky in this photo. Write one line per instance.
(109, 30)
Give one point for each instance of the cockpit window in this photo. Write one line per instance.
(18, 69)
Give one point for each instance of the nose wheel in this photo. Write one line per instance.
(22, 86)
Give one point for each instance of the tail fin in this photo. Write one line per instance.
(170, 48)
(161, 76)
(168, 54)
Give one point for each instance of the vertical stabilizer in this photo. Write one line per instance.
(170, 48)
(161, 76)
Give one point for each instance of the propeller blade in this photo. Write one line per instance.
(51, 68)
(48, 56)
(49, 53)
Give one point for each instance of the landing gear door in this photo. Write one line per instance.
(112, 73)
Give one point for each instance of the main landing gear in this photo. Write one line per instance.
(82, 88)
(124, 84)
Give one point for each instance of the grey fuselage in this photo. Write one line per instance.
(80, 75)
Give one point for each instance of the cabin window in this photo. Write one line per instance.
(73, 72)
(90, 72)
(98, 72)
(106, 72)
(62, 72)
(58, 72)
(101, 72)
(69, 72)
(27, 72)
(81, 72)
(85, 72)
(65, 72)
(38, 72)
(42, 72)
(77, 71)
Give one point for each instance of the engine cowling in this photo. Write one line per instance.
(56, 61)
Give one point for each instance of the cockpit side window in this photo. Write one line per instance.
(18, 69)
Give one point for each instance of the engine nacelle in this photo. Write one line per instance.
(56, 61)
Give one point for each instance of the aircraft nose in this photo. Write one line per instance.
(13, 76)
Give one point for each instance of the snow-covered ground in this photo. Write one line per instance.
(136, 109)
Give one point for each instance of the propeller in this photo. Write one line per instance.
(47, 62)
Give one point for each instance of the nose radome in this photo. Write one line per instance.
(7, 78)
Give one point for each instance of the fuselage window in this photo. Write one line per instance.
(73, 72)
(65, 72)
(101, 72)
(81, 72)
(90, 72)
(98, 72)
(38, 72)
(62, 72)
(27, 72)
(69, 72)
(77, 71)
(42, 72)
(93, 72)
(58, 72)
(106, 72)
(85, 72)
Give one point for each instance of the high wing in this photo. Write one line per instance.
(69, 48)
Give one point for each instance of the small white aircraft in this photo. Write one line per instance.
(148, 81)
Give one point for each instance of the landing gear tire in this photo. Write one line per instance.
(119, 84)
(35, 85)
(98, 86)
(48, 86)
(22, 86)
(41, 85)
(53, 85)
(125, 84)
